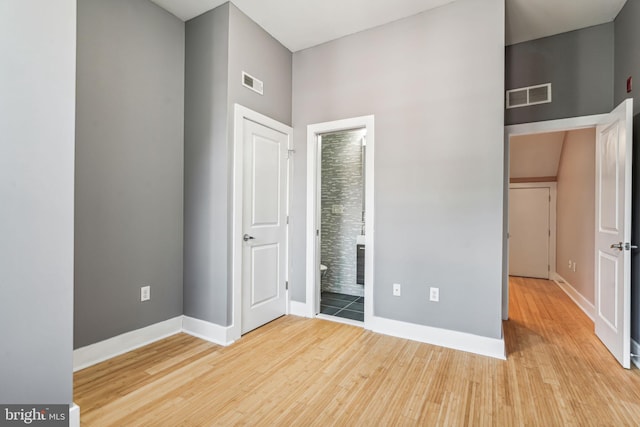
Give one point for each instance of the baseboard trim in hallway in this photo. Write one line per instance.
(575, 296)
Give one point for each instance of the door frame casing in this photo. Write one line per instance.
(559, 125)
(312, 261)
(240, 114)
(553, 193)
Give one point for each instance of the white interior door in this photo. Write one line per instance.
(613, 231)
(529, 232)
(264, 225)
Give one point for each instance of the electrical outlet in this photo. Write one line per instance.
(145, 293)
(396, 289)
(434, 294)
(574, 266)
(570, 264)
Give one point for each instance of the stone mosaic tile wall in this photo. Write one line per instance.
(341, 216)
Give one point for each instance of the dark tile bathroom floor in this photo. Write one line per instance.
(341, 305)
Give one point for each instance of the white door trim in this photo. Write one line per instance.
(240, 114)
(553, 192)
(559, 125)
(312, 165)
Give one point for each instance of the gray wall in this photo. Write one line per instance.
(579, 65)
(205, 166)
(342, 185)
(627, 63)
(438, 157)
(253, 50)
(129, 167)
(37, 114)
(220, 45)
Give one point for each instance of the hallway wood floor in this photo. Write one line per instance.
(307, 372)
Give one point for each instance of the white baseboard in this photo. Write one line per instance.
(298, 309)
(207, 331)
(492, 347)
(99, 352)
(584, 304)
(635, 349)
(74, 416)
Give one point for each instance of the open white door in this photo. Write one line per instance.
(613, 231)
(264, 221)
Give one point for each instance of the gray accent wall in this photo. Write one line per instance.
(435, 83)
(129, 167)
(37, 115)
(205, 166)
(627, 63)
(579, 66)
(220, 44)
(342, 206)
(255, 51)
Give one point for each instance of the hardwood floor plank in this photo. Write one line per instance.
(309, 372)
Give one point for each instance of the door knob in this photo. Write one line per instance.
(246, 237)
(623, 246)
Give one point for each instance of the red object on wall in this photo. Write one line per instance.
(629, 84)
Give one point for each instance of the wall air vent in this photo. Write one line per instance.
(532, 95)
(252, 83)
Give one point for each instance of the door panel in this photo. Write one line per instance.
(266, 181)
(613, 231)
(529, 232)
(265, 277)
(607, 291)
(609, 178)
(264, 225)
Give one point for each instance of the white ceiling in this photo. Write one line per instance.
(299, 24)
(535, 156)
(533, 19)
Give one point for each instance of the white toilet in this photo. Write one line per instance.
(323, 270)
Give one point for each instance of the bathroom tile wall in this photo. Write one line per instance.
(342, 205)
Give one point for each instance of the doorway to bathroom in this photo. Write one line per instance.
(340, 220)
(342, 217)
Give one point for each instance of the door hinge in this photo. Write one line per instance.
(287, 219)
(548, 267)
(290, 153)
(317, 232)
(549, 233)
(286, 285)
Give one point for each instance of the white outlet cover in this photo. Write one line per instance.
(145, 293)
(434, 294)
(396, 289)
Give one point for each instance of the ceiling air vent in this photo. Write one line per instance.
(252, 83)
(532, 95)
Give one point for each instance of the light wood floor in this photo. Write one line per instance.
(307, 372)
